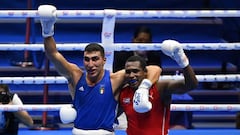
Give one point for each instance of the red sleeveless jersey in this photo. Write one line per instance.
(154, 122)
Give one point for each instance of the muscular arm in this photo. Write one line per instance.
(189, 82)
(24, 117)
(117, 78)
(153, 73)
(175, 50)
(63, 67)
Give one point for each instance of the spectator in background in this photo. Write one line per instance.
(142, 34)
(9, 121)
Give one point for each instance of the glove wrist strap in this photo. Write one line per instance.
(146, 84)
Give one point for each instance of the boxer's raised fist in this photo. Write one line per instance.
(48, 16)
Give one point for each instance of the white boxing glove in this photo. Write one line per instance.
(48, 16)
(141, 101)
(67, 114)
(174, 49)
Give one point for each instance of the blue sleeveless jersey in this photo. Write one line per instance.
(95, 105)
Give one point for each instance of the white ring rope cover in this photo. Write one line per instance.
(63, 80)
(174, 107)
(124, 13)
(36, 107)
(123, 46)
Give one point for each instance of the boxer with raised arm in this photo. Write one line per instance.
(157, 96)
(94, 91)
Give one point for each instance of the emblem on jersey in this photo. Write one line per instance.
(126, 100)
(102, 89)
(81, 88)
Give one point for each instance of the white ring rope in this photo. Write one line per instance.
(34, 80)
(174, 107)
(63, 80)
(36, 107)
(205, 107)
(124, 13)
(123, 46)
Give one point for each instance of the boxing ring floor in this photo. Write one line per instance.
(67, 131)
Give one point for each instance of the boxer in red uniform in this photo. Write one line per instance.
(155, 119)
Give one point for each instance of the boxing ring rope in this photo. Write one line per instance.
(63, 80)
(174, 107)
(37, 107)
(122, 46)
(124, 13)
